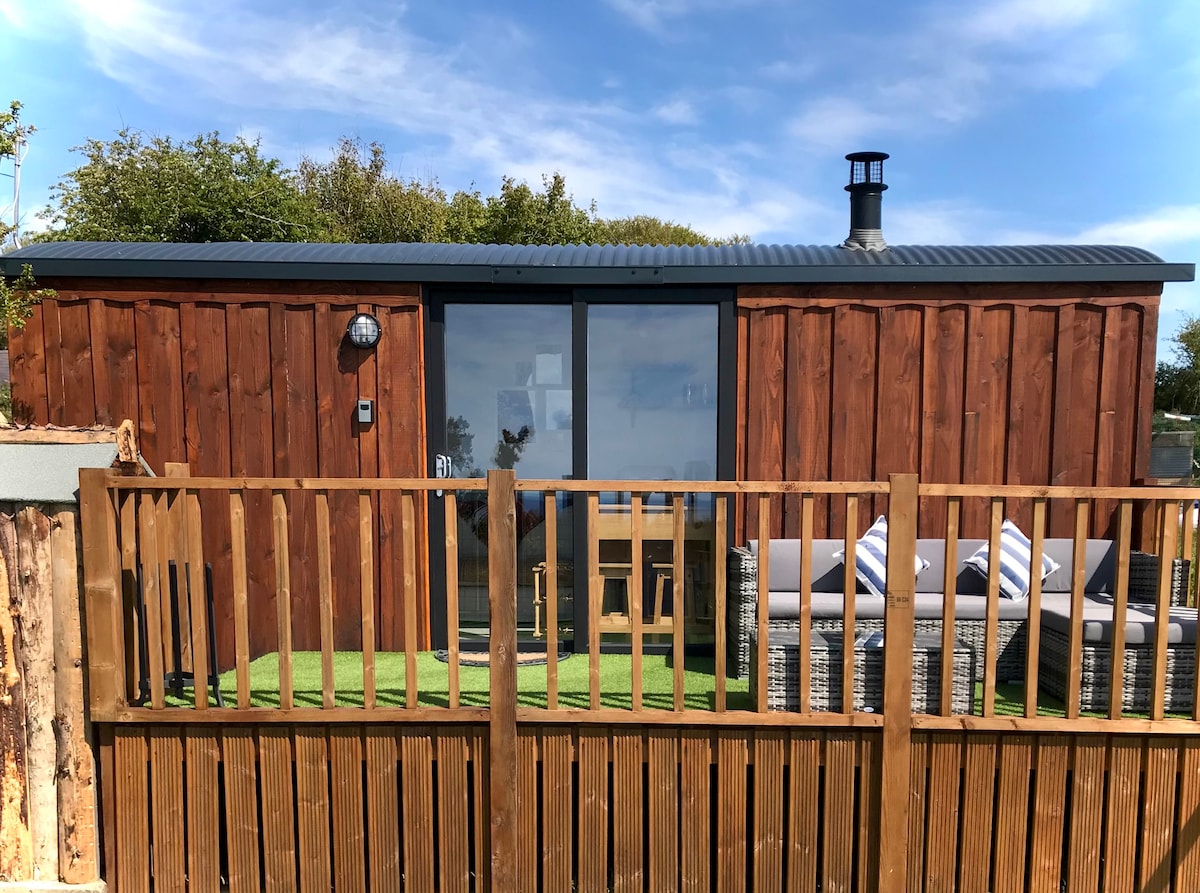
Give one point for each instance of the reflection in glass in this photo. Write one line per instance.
(508, 405)
(652, 415)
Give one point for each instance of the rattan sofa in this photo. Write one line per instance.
(827, 598)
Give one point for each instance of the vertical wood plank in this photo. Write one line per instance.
(1033, 640)
(733, 754)
(557, 798)
(527, 811)
(1049, 815)
(837, 818)
(849, 594)
(480, 762)
(79, 397)
(635, 597)
(454, 833)
(1158, 812)
(695, 755)
(767, 826)
(203, 816)
(198, 597)
(550, 511)
(152, 590)
(411, 633)
(949, 598)
(918, 827)
(662, 820)
(325, 588)
(346, 786)
(992, 611)
(897, 676)
(502, 608)
(1187, 827)
(762, 611)
(416, 768)
(720, 599)
(383, 810)
(31, 611)
(1121, 808)
(78, 859)
(451, 502)
(278, 809)
(366, 577)
(1116, 679)
(941, 848)
(283, 596)
(1078, 579)
(166, 808)
(1012, 813)
(53, 358)
(628, 810)
(805, 620)
(241, 597)
(242, 825)
(312, 808)
(592, 756)
(804, 800)
(1162, 609)
(130, 599)
(595, 599)
(870, 794)
(132, 795)
(979, 785)
(1087, 806)
(677, 601)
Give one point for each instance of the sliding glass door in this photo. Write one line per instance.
(578, 385)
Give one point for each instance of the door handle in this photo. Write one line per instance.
(443, 467)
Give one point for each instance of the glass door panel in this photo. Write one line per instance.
(509, 405)
(652, 415)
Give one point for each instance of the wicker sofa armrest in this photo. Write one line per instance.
(741, 604)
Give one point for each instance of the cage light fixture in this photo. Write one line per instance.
(364, 330)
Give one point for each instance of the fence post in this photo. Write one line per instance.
(895, 765)
(105, 635)
(502, 635)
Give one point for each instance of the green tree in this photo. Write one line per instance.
(136, 188)
(644, 230)
(1177, 384)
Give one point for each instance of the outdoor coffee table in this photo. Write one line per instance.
(783, 680)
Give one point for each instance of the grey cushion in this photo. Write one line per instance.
(827, 571)
(1098, 620)
(926, 606)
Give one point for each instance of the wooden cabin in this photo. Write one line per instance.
(987, 365)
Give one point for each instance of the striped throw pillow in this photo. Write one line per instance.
(870, 558)
(1016, 559)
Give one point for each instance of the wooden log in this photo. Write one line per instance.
(78, 862)
(36, 622)
(16, 846)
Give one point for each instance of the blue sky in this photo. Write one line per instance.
(1008, 121)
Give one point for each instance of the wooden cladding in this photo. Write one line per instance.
(262, 385)
(959, 384)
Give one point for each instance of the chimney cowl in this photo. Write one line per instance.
(866, 188)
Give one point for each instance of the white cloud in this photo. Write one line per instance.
(959, 61)
(677, 111)
(654, 14)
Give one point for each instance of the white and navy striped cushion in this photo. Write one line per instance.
(870, 558)
(1015, 562)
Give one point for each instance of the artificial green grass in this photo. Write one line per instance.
(433, 682)
(616, 674)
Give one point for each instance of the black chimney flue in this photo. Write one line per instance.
(866, 199)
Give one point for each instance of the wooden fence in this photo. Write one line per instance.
(387, 787)
(47, 771)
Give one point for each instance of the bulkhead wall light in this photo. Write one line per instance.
(364, 330)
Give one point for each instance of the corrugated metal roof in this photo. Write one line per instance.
(48, 472)
(599, 264)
